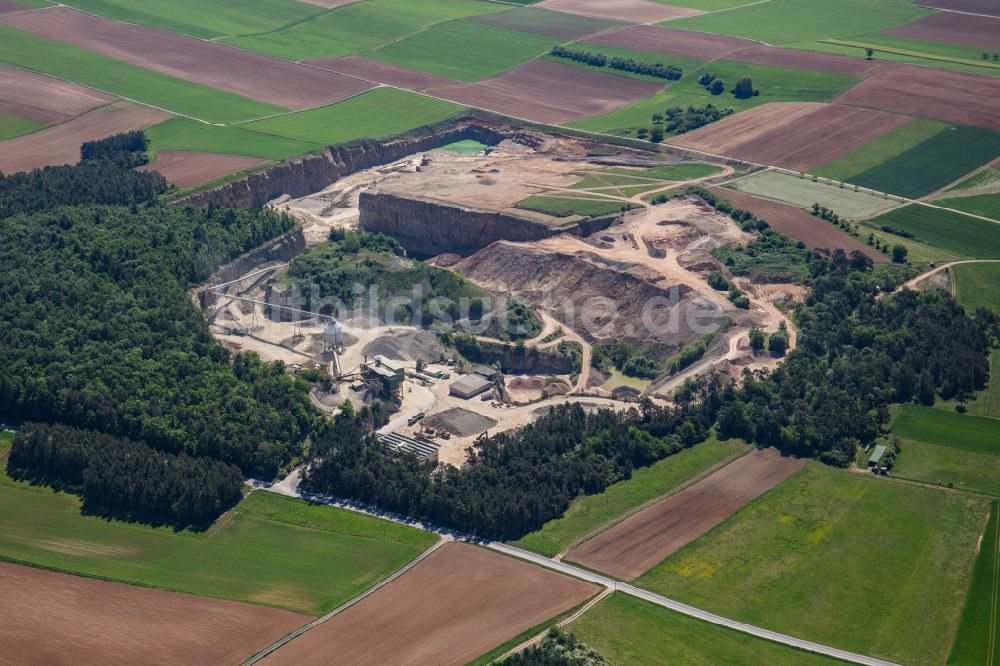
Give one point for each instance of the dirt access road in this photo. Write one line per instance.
(912, 284)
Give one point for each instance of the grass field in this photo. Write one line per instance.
(881, 150)
(977, 285)
(69, 62)
(858, 51)
(588, 514)
(987, 205)
(11, 126)
(954, 232)
(848, 560)
(804, 192)
(217, 18)
(359, 27)
(987, 178)
(669, 172)
(566, 206)
(464, 50)
(976, 639)
(948, 466)
(270, 550)
(948, 428)
(187, 134)
(787, 21)
(626, 630)
(375, 113)
(776, 84)
(930, 48)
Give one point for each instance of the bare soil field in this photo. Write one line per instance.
(671, 41)
(61, 144)
(550, 92)
(630, 11)
(54, 618)
(979, 32)
(955, 97)
(380, 72)
(241, 72)
(187, 168)
(725, 135)
(43, 98)
(641, 541)
(796, 223)
(10, 7)
(796, 141)
(989, 7)
(458, 603)
(810, 60)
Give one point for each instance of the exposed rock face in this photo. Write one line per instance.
(282, 248)
(514, 359)
(427, 227)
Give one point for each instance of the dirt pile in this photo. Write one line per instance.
(406, 345)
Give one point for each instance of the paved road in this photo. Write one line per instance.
(291, 489)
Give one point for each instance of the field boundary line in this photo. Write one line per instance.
(534, 640)
(273, 647)
(995, 590)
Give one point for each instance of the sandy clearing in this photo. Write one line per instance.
(979, 32)
(54, 618)
(60, 144)
(187, 168)
(373, 70)
(956, 97)
(550, 92)
(44, 99)
(248, 74)
(724, 135)
(641, 541)
(671, 41)
(989, 7)
(809, 60)
(797, 223)
(631, 11)
(458, 603)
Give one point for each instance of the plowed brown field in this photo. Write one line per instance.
(54, 618)
(811, 60)
(187, 168)
(798, 224)
(458, 603)
(989, 7)
(671, 41)
(641, 541)
(241, 72)
(979, 32)
(956, 97)
(630, 11)
(43, 98)
(61, 144)
(795, 136)
(380, 72)
(10, 7)
(549, 92)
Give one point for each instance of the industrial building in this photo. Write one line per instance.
(470, 386)
(389, 373)
(424, 451)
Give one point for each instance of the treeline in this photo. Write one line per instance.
(746, 219)
(631, 359)
(515, 481)
(655, 69)
(127, 150)
(556, 649)
(123, 478)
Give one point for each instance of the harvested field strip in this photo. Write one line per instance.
(590, 513)
(985, 181)
(250, 75)
(976, 641)
(961, 431)
(798, 224)
(804, 192)
(56, 618)
(629, 11)
(549, 92)
(881, 150)
(798, 551)
(559, 25)
(639, 542)
(185, 168)
(187, 134)
(372, 70)
(72, 63)
(669, 41)
(948, 466)
(463, 50)
(12, 126)
(978, 32)
(456, 604)
(60, 144)
(380, 112)
(44, 99)
(955, 232)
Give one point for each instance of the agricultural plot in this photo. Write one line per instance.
(458, 603)
(977, 32)
(60, 144)
(884, 149)
(948, 466)
(976, 638)
(629, 11)
(987, 7)
(55, 618)
(221, 67)
(188, 168)
(373, 70)
(947, 428)
(549, 92)
(582, 205)
(43, 99)
(13, 126)
(804, 192)
(590, 513)
(798, 553)
(639, 542)
(812, 60)
(559, 25)
(976, 287)
(184, 134)
(626, 631)
(954, 232)
(669, 41)
(890, 50)
(463, 50)
(380, 112)
(986, 205)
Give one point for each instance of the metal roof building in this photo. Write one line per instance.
(469, 386)
(424, 451)
(485, 371)
(877, 454)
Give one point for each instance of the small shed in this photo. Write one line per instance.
(876, 457)
(469, 386)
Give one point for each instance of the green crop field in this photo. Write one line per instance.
(849, 560)
(804, 192)
(883, 149)
(705, 5)
(379, 112)
(926, 47)
(187, 134)
(986, 179)
(464, 50)
(567, 206)
(11, 126)
(954, 232)
(359, 27)
(947, 428)
(269, 550)
(787, 21)
(977, 286)
(559, 25)
(590, 513)
(626, 630)
(669, 172)
(215, 18)
(976, 639)
(987, 205)
(857, 50)
(70, 62)
(948, 466)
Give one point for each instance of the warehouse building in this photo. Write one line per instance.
(470, 386)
